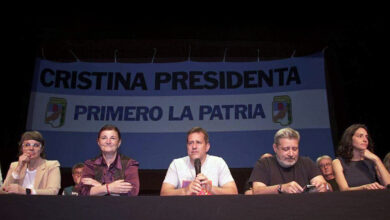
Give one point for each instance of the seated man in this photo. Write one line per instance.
(77, 170)
(248, 190)
(286, 172)
(214, 177)
(325, 164)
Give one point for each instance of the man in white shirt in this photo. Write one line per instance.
(215, 177)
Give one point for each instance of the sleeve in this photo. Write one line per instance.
(9, 179)
(88, 172)
(260, 172)
(131, 176)
(53, 184)
(171, 177)
(224, 176)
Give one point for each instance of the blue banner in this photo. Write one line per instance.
(241, 105)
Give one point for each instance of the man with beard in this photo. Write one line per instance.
(286, 172)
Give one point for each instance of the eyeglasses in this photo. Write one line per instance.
(325, 165)
(29, 145)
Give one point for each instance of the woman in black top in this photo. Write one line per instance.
(356, 167)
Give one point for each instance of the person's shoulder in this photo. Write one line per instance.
(212, 157)
(14, 164)
(268, 160)
(181, 160)
(216, 159)
(131, 161)
(93, 161)
(52, 163)
(340, 160)
(305, 159)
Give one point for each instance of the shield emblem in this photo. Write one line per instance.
(281, 110)
(55, 112)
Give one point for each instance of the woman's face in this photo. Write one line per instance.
(109, 141)
(32, 149)
(360, 139)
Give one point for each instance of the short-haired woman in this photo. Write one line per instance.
(32, 174)
(111, 173)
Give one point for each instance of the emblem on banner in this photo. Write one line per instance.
(55, 112)
(281, 110)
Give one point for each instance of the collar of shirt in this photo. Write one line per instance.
(117, 162)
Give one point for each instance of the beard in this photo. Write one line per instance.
(285, 164)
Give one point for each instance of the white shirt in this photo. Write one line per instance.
(214, 168)
(28, 181)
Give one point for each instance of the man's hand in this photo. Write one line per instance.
(291, 187)
(321, 187)
(204, 182)
(193, 188)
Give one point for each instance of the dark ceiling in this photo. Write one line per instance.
(97, 34)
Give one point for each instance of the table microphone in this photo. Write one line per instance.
(197, 165)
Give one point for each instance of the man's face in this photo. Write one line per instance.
(326, 167)
(287, 152)
(77, 175)
(197, 146)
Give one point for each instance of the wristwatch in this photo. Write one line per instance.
(280, 189)
(28, 191)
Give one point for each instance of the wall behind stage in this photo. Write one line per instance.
(240, 104)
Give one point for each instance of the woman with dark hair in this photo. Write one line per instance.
(356, 167)
(111, 173)
(33, 174)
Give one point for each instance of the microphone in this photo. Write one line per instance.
(197, 165)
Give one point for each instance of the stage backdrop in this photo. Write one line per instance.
(240, 104)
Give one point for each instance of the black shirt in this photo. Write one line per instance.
(359, 173)
(268, 171)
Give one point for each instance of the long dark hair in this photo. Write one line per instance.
(345, 148)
